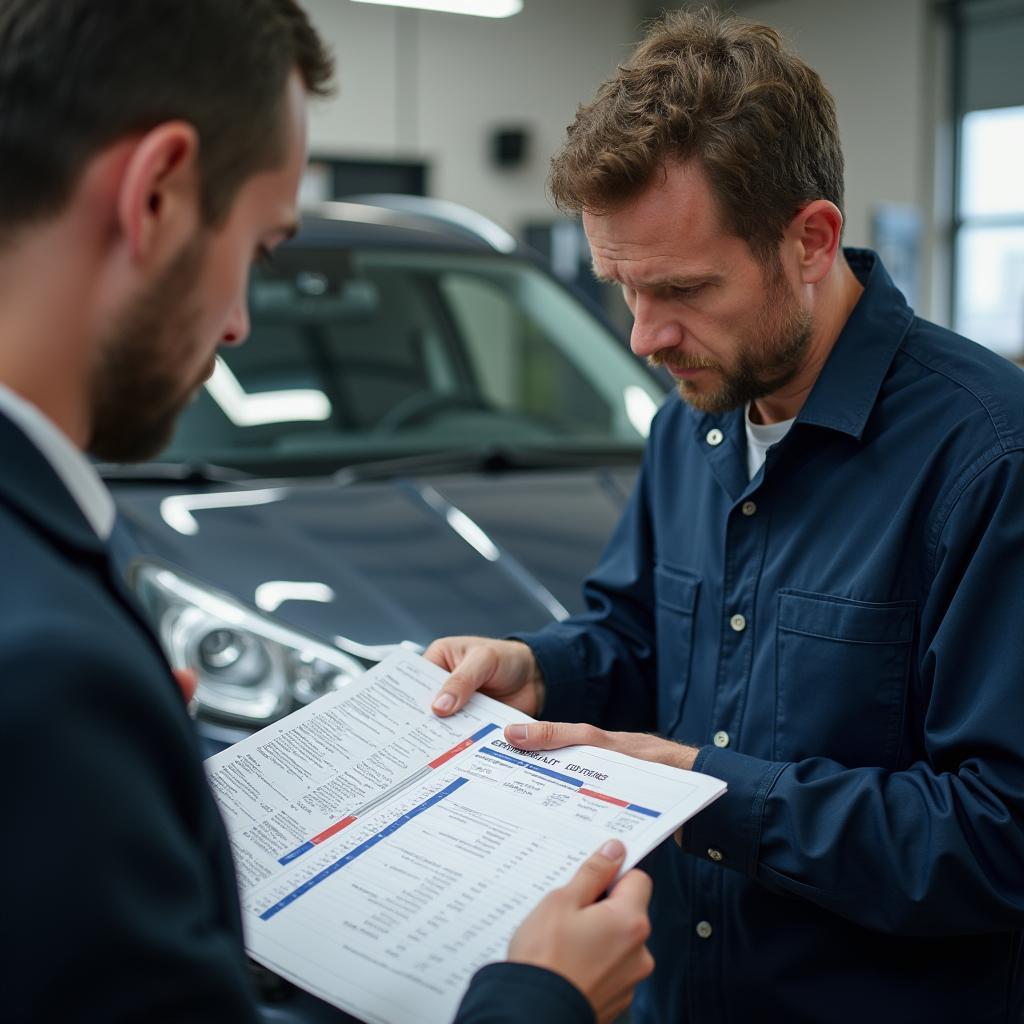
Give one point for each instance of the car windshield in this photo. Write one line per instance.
(356, 356)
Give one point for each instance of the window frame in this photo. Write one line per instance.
(960, 20)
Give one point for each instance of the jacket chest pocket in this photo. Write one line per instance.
(675, 593)
(841, 676)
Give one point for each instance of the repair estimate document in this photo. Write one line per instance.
(384, 854)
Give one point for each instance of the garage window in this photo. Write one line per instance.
(988, 285)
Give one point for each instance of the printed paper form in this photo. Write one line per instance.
(385, 854)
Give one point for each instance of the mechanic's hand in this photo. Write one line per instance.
(503, 669)
(548, 735)
(599, 947)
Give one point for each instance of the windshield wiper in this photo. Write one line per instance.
(487, 458)
(161, 472)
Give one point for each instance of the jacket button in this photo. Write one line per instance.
(738, 623)
(721, 739)
(714, 437)
(704, 929)
(748, 508)
(715, 855)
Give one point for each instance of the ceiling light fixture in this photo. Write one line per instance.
(479, 8)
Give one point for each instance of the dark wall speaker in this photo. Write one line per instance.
(510, 147)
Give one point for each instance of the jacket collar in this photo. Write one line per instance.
(847, 387)
(30, 485)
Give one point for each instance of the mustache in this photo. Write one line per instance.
(678, 362)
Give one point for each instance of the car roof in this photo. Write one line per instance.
(405, 222)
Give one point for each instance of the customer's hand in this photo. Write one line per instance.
(503, 669)
(598, 946)
(188, 680)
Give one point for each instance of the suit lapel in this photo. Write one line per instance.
(30, 486)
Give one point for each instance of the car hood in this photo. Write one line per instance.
(378, 563)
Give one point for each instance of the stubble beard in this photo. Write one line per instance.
(137, 389)
(767, 360)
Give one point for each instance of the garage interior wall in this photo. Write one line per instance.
(429, 86)
(420, 85)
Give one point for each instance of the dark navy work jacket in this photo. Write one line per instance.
(843, 639)
(119, 901)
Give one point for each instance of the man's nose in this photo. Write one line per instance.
(236, 330)
(652, 329)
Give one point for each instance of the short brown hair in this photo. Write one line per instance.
(721, 90)
(77, 75)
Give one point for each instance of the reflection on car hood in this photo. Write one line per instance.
(408, 559)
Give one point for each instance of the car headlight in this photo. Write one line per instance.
(250, 668)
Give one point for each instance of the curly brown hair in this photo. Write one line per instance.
(723, 91)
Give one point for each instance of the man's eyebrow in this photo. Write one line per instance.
(674, 281)
(686, 281)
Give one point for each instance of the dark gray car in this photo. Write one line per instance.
(426, 433)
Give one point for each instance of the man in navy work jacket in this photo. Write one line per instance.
(816, 592)
(148, 151)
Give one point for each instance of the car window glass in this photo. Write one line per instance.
(517, 365)
(357, 355)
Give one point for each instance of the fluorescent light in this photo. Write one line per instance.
(272, 594)
(176, 511)
(481, 8)
(640, 409)
(376, 652)
(472, 534)
(253, 410)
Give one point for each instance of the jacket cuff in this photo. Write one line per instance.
(728, 832)
(568, 695)
(513, 993)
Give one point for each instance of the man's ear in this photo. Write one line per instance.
(816, 229)
(158, 202)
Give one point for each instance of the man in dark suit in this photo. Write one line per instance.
(148, 151)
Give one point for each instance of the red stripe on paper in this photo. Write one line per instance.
(438, 761)
(333, 830)
(602, 796)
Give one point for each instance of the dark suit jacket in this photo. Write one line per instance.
(119, 898)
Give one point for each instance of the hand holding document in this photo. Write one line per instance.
(598, 945)
(385, 854)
